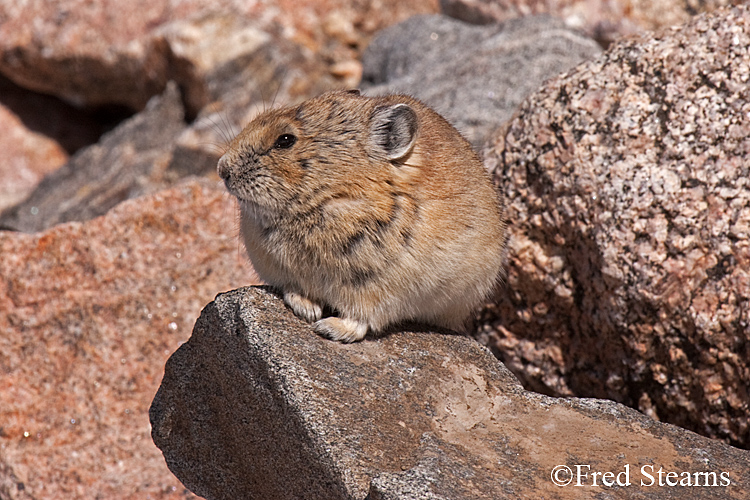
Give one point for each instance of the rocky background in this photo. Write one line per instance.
(624, 171)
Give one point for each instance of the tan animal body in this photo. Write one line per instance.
(375, 207)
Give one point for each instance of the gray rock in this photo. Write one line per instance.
(628, 188)
(476, 76)
(126, 162)
(604, 20)
(255, 405)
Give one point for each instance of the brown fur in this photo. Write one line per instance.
(379, 209)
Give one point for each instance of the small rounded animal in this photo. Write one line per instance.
(375, 207)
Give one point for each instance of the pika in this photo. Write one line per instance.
(376, 207)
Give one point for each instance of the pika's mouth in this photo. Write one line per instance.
(236, 184)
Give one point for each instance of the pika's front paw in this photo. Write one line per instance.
(302, 307)
(341, 329)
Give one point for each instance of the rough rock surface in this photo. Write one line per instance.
(37, 135)
(215, 56)
(26, 158)
(105, 52)
(89, 314)
(127, 161)
(629, 194)
(89, 53)
(255, 405)
(229, 58)
(92, 53)
(605, 20)
(476, 76)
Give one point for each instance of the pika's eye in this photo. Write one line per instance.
(285, 141)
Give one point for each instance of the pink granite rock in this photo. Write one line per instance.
(629, 199)
(89, 313)
(26, 157)
(89, 53)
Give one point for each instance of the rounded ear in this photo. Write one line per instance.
(394, 129)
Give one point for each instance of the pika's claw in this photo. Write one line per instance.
(342, 329)
(302, 307)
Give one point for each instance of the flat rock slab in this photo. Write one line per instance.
(255, 405)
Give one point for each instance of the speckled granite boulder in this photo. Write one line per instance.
(628, 183)
(257, 406)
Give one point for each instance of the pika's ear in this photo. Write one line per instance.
(394, 129)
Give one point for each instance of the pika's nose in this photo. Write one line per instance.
(223, 167)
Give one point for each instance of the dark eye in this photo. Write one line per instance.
(285, 141)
